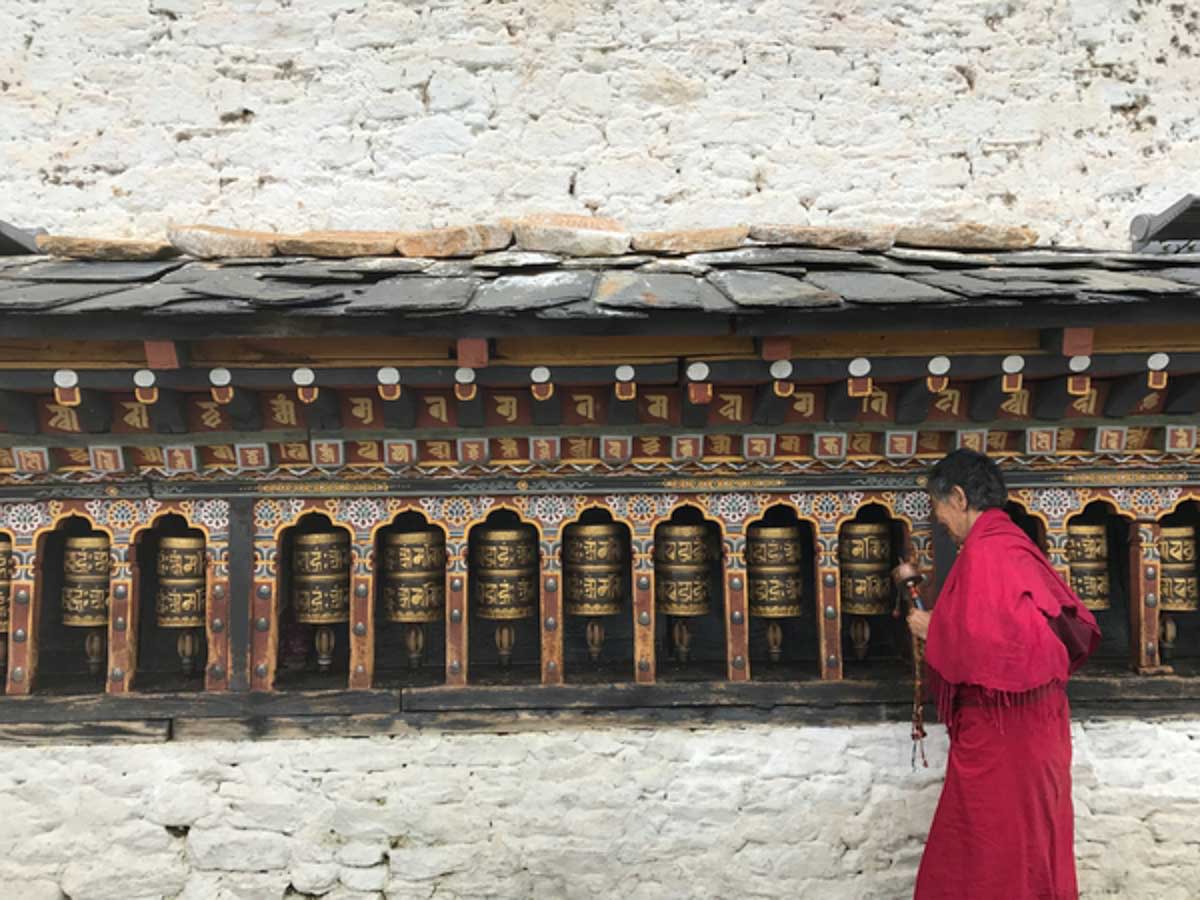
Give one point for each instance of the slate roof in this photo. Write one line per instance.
(753, 282)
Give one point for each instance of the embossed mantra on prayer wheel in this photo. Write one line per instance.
(864, 558)
(181, 568)
(1179, 588)
(1087, 556)
(6, 577)
(181, 593)
(683, 557)
(86, 569)
(414, 584)
(504, 580)
(773, 560)
(595, 583)
(321, 586)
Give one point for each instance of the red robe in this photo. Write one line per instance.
(1004, 636)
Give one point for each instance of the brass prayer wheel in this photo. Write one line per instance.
(321, 578)
(864, 557)
(6, 576)
(773, 558)
(1179, 588)
(683, 556)
(594, 559)
(181, 582)
(414, 576)
(505, 575)
(1087, 556)
(86, 568)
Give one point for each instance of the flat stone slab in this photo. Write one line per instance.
(638, 290)
(89, 272)
(878, 288)
(513, 293)
(828, 237)
(338, 244)
(967, 236)
(515, 259)
(571, 235)
(459, 240)
(413, 293)
(215, 242)
(971, 286)
(770, 289)
(108, 249)
(696, 240)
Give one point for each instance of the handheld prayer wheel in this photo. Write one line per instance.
(504, 581)
(1179, 590)
(595, 582)
(864, 564)
(6, 577)
(181, 592)
(86, 569)
(773, 561)
(414, 584)
(683, 557)
(321, 586)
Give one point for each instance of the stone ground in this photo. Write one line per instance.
(712, 812)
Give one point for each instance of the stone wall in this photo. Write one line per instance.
(719, 811)
(1068, 115)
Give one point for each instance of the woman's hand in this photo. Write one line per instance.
(905, 571)
(918, 623)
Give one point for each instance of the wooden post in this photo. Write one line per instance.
(456, 613)
(264, 621)
(123, 620)
(1144, 565)
(22, 620)
(737, 623)
(829, 612)
(218, 673)
(643, 619)
(552, 623)
(362, 617)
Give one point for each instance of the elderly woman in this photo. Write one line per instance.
(1003, 638)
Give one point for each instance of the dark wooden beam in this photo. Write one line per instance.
(168, 414)
(1068, 341)
(18, 412)
(693, 415)
(94, 411)
(401, 412)
(913, 402)
(1050, 399)
(1125, 394)
(1183, 394)
(622, 412)
(986, 397)
(769, 407)
(839, 405)
(547, 412)
(470, 412)
(324, 413)
(245, 411)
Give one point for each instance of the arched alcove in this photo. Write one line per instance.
(170, 584)
(781, 588)
(504, 596)
(869, 547)
(314, 611)
(73, 608)
(689, 587)
(1097, 553)
(410, 602)
(597, 598)
(1179, 588)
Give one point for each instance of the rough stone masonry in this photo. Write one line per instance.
(1065, 115)
(714, 812)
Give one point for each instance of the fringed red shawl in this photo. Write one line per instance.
(989, 628)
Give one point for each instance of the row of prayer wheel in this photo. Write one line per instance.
(1087, 556)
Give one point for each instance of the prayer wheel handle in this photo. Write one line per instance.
(908, 580)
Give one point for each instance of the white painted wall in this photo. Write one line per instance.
(117, 116)
(718, 812)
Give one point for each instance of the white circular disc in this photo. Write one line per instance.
(1013, 365)
(220, 378)
(66, 378)
(860, 367)
(782, 369)
(388, 375)
(144, 378)
(939, 365)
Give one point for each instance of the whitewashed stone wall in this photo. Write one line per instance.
(1069, 115)
(610, 812)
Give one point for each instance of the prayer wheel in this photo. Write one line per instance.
(504, 580)
(6, 577)
(414, 584)
(1087, 556)
(181, 593)
(683, 557)
(773, 561)
(1179, 589)
(321, 586)
(595, 582)
(864, 557)
(86, 569)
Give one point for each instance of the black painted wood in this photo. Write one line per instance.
(913, 402)
(1050, 399)
(18, 412)
(241, 565)
(1183, 395)
(986, 397)
(168, 414)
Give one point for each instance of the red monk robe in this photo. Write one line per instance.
(1003, 638)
